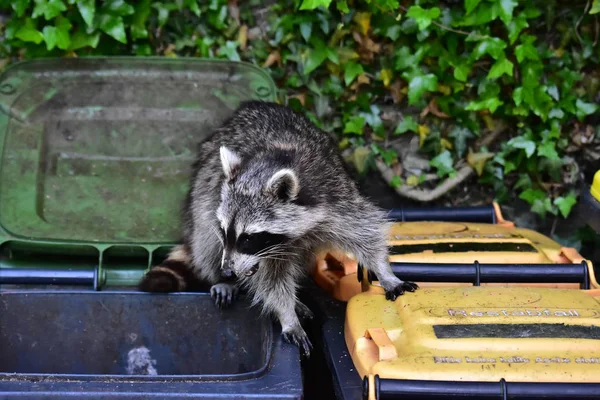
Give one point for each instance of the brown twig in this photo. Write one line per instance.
(585, 11)
(425, 195)
(596, 31)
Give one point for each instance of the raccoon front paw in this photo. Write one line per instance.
(399, 290)
(223, 294)
(298, 337)
(303, 311)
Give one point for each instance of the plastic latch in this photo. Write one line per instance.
(387, 350)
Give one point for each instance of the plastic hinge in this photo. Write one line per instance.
(387, 350)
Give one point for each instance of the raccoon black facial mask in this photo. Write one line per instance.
(256, 243)
(252, 243)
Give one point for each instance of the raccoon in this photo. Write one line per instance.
(269, 190)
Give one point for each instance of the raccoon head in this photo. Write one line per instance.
(259, 213)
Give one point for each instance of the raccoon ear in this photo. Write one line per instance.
(284, 184)
(230, 162)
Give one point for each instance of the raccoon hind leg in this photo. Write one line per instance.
(174, 274)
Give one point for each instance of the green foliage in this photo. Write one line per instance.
(443, 163)
(454, 69)
(407, 124)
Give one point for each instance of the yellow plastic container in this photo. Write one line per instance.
(477, 334)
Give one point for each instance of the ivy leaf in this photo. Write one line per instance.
(140, 16)
(461, 72)
(486, 13)
(118, 7)
(470, 5)
(535, 97)
(553, 91)
(360, 157)
(407, 124)
(548, 149)
(29, 33)
(491, 104)
(229, 50)
(352, 71)
(524, 181)
(541, 207)
(58, 35)
(526, 50)
(420, 84)
(515, 27)
(333, 56)
(565, 204)
(342, 6)
(520, 142)
(531, 195)
(87, 9)
(460, 136)
(396, 182)
(423, 17)
(443, 163)
(406, 59)
(363, 20)
(492, 46)
(316, 56)
(412, 180)
(506, 10)
(193, 6)
(312, 4)
(556, 113)
(355, 125)
(20, 6)
(423, 131)
(386, 76)
(306, 30)
(595, 7)
(477, 161)
(389, 157)
(48, 8)
(584, 109)
(501, 67)
(113, 26)
(163, 13)
(531, 73)
(81, 39)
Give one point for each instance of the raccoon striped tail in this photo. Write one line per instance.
(172, 275)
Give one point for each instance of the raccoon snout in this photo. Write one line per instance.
(227, 273)
(226, 270)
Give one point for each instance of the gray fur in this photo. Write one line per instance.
(265, 151)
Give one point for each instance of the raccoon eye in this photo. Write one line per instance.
(257, 242)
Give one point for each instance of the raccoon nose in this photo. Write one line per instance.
(226, 270)
(227, 273)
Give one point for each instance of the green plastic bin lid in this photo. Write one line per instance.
(100, 149)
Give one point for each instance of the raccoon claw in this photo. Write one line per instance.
(298, 337)
(223, 294)
(400, 289)
(303, 311)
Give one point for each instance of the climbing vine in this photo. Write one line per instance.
(495, 92)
